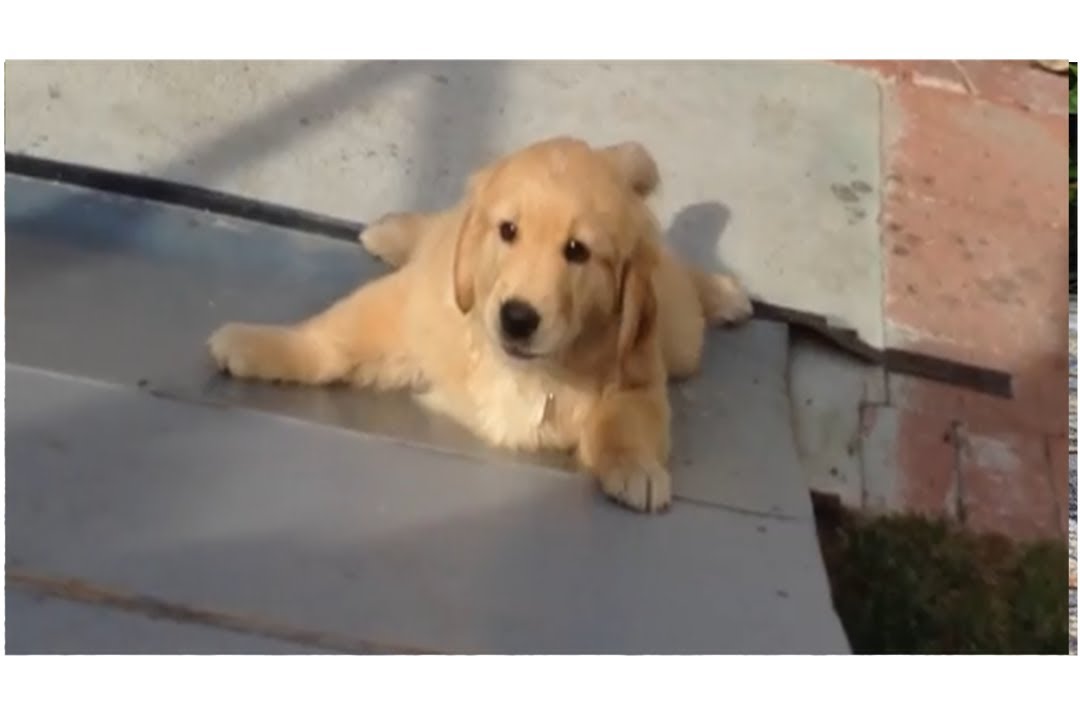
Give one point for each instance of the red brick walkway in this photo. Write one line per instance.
(975, 232)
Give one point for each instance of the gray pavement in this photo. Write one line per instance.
(768, 168)
(132, 466)
(49, 626)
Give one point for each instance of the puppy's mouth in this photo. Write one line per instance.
(519, 353)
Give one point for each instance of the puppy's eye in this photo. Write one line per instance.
(575, 251)
(507, 231)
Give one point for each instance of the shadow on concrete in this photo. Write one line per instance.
(302, 114)
(475, 90)
(695, 232)
(460, 554)
(439, 155)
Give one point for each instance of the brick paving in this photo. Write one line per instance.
(975, 233)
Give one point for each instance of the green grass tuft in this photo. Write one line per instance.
(909, 585)
(1072, 88)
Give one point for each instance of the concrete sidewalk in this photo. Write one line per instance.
(772, 170)
(920, 203)
(350, 521)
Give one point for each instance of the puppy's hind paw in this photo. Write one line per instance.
(725, 300)
(391, 238)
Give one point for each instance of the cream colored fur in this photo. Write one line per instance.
(613, 328)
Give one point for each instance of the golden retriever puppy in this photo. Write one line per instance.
(543, 311)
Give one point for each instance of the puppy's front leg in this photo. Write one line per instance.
(626, 443)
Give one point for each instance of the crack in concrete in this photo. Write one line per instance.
(87, 593)
(956, 497)
(867, 418)
(1059, 511)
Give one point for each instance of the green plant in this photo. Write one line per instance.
(909, 585)
(1072, 88)
(1072, 150)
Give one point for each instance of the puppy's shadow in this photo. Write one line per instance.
(695, 232)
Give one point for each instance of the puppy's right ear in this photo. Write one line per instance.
(637, 309)
(470, 233)
(635, 165)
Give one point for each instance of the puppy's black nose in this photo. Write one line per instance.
(519, 319)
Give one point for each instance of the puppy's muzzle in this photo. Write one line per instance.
(518, 320)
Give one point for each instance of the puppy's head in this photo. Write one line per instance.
(557, 247)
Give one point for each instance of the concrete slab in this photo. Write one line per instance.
(769, 168)
(161, 278)
(884, 480)
(828, 390)
(48, 626)
(131, 465)
(732, 432)
(223, 509)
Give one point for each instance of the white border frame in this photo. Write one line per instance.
(531, 686)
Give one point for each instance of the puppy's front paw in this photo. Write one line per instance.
(726, 300)
(249, 351)
(643, 486)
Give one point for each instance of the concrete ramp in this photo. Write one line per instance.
(153, 506)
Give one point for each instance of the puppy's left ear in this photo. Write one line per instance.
(635, 165)
(637, 308)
